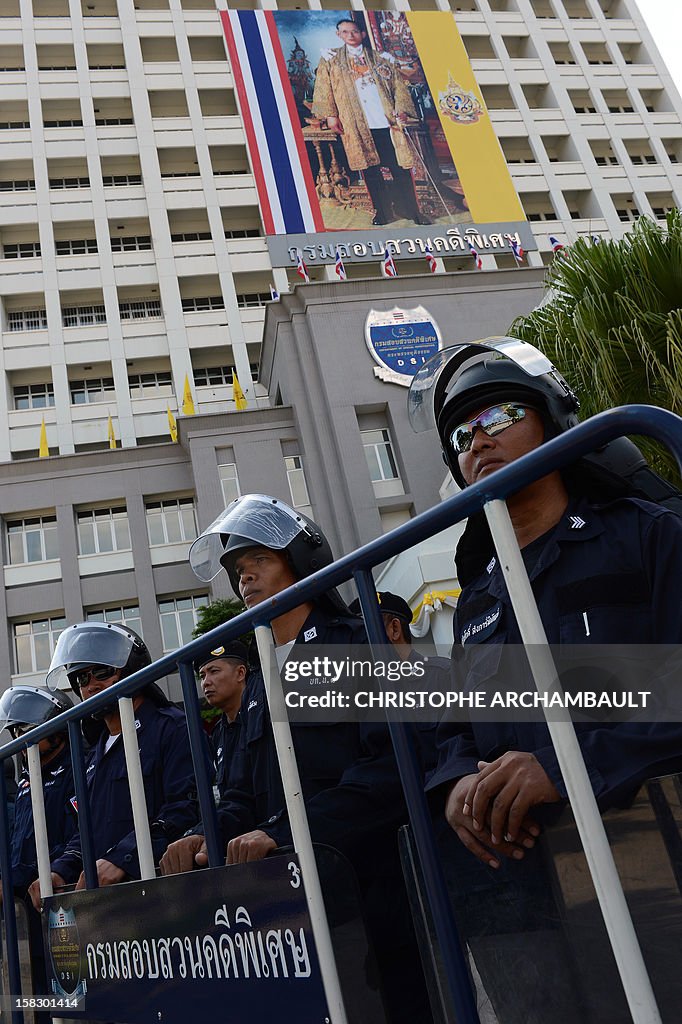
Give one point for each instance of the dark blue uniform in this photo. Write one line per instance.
(354, 802)
(60, 814)
(170, 790)
(224, 742)
(603, 575)
(606, 575)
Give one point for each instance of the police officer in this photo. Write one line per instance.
(23, 708)
(92, 656)
(604, 569)
(222, 673)
(348, 772)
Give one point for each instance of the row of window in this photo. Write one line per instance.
(100, 389)
(101, 530)
(140, 309)
(34, 640)
(77, 247)
(108, 180)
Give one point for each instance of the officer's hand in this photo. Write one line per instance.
(479, 841)
(184, 855)
(504, 791)
(334, 124)
(251, 846)
(34, 890)
(107, 874)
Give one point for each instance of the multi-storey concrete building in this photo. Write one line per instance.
(132, 260)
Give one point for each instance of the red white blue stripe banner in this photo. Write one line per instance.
(284, 181)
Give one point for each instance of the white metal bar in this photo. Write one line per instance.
(628, 955)
(136, 783)
(35, 775)
(298, 820)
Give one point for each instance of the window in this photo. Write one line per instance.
(75, 122)
(103, 529)
(132, 243)
(11, 125)
(21, 250)
(192, 236)
(149, 385)
(249, 299)
(127, 615)
(298, 487)
(94, 389)
(24, 185)
(178, 618)
(121, 179)
(170, 522)
(34, 642)
(102, 121)
(33, 396)
(229, 482)
(141, 309)
(27, 320)
(83, 316)
(69, 183)
(242, 232)
(379, 455)
(75, 248)
(207, 376)
(202, 304)
(32, 540)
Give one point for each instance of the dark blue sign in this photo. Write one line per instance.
(401, 341)
(172, 949)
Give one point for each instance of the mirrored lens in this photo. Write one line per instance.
(100, 674)
(492, 421)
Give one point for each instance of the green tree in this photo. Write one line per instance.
(612, 322)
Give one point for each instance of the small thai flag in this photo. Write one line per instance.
(516, 249)
(388, 266)
(339, 267)
(274, 294)
(301, 268)
(596, 239)
(430, 259)
(557, 246)
(477, 259)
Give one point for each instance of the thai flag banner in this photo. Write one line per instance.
(339, 266)
(286, 191)
(557, 246)
(388, 266)
(477, 259)
(431, 260)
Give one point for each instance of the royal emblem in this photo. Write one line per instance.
(65, 953)
(460, 106)
(401, 341)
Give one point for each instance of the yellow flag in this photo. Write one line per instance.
(237, 393)
(43, 450)
(187, 400)
(110, 433)
(172, 426)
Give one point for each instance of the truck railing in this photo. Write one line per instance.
(489, 494)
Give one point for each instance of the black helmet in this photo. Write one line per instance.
(30, 705)
(259, 520)
(463, 378)
(96, 643)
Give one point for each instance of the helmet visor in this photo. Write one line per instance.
(88, 643)
(259, 518)
(29, 706)
(422, 393)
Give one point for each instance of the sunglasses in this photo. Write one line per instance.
(99, 674)
(491, 421)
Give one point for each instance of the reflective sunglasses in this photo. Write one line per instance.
(99, 674)
(491, 421)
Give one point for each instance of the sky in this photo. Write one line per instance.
(664, 21)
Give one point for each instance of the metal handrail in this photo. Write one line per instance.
(561, 451)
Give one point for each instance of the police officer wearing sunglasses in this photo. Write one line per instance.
(605, 568)
(91, 657)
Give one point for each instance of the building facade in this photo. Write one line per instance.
(133, 266)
